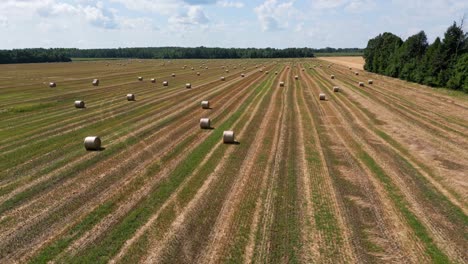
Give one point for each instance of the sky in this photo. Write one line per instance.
(219, 23)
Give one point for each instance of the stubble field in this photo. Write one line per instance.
(371, 174)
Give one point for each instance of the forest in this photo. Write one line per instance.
(444, 63)
(65, 55)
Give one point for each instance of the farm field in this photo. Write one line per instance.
(356, 62)
(372, 174)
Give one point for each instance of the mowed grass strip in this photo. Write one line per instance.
(325, 219)
(285, 243)
(243, 217)
(108, 246)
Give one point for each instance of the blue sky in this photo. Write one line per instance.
(220, 23)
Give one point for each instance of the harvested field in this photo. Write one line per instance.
(373, 174)
(356, 62)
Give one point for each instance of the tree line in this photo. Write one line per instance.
(33, 56)
(444, 63)
(65, 55)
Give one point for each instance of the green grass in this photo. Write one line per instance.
(24, 108)
(420, 230)
(285, 239)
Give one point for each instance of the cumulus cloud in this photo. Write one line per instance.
(349, 5)
(96, 14)
(273, 15)
(100, 17)
(227, 3)
(194, 15)
(3, 22)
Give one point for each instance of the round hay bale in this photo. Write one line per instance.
(165, 83)
(205, 104)
(322, 96)
(332, 76)
(173, 75)
(235, 67)
(96, 82)
(370, 81)
(79, 104)
(153, 80)
(52, 85)
(287, 67)
(227, 71)
(205, 123)
(223, 79)
(242, 75)
(140, 78)
(206, 68)
(336, 89)
(281, 84)
(356, 73)
(296, 77)
(188, 85)
(276, 73)
(261, 70)
(350, 68)
(193, 68)
(303, 69)
(130, 97)
(92, 143)
(198, 73)
(266, 72)
(361, 84)
(228, 137)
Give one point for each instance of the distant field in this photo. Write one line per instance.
(373, 174)
(96, 59)
(338, 54)
(356, 62)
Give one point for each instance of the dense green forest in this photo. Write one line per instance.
(64, 55)
(33, 56)
(444, 63)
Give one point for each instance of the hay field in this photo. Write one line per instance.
(356, 62)
(370, 174)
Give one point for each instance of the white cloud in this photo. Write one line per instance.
(227, 3)
(164, 7)
(326, 4)
(194, 15)
(3, 22)
(100, 17)
(273, 15)
(348, 5)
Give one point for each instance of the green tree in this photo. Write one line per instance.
(459, 77)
